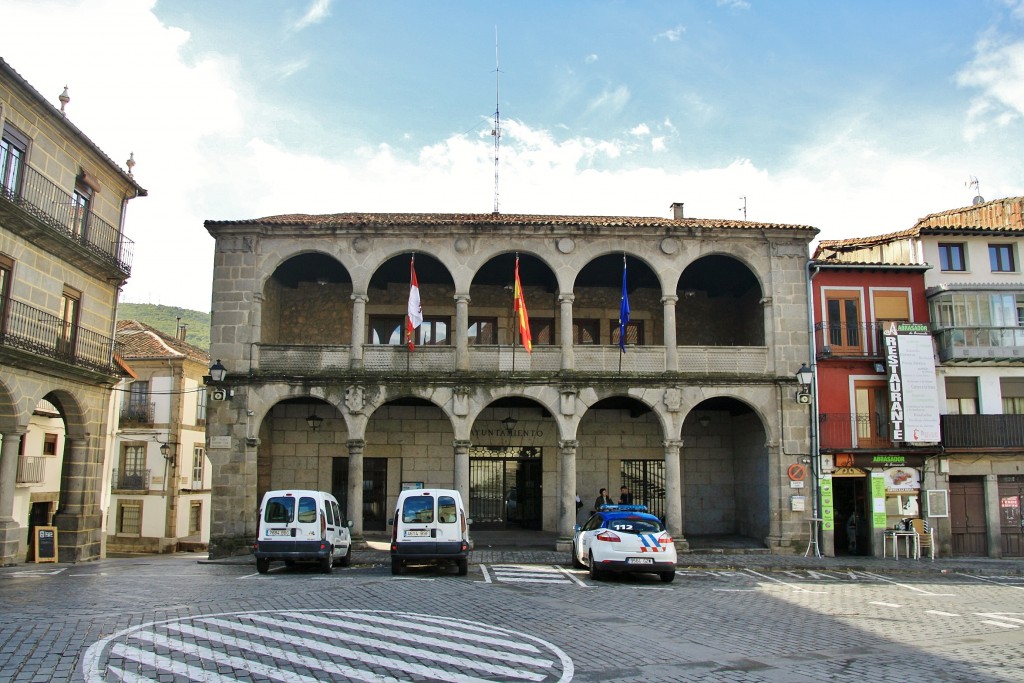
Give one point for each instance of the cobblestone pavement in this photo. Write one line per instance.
(522, 614)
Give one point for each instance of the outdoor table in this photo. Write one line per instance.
(909, 539)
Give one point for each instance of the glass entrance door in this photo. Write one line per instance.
(375, 481)
(505, 487)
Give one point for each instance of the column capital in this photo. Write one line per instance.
(670, 298)
(462, 445)
(362, 298)
(356, 443)
(672, 443)
(460, 297)
(568, 444)
(566, 298)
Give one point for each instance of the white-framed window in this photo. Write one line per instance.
(198, 464)
(195, 517)
(201, 406)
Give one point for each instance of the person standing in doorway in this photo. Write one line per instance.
(602, 499)
(625, 497)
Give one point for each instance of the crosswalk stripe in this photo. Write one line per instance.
(363, 657)
(167, 664)
(468, 631)
(342, 624)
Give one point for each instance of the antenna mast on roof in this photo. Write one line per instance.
(978, 199)
(496, 131)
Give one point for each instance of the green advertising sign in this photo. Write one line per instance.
(828, 512)
(878, 500)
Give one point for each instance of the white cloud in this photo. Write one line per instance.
(673, 34)
(289, 69)
(317, 12)
(997, 70)
(640, 130)
(610, 101)
(590, 59)
(734, 4)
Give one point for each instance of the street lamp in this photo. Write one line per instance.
(167, 452)
(218, 372)
(314, 421)
(804, 377)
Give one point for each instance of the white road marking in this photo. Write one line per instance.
(787, 585)
(878, 577)
(940, 613)
(998, 583)
(883, 604)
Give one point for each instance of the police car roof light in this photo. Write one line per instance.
(623, 508)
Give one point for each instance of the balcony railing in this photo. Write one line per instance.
(37, 195)
(137, 414)
(131, 480)
(31, 469)
(853, 430)
(31, 329)
(982, 431)
(840, 340)
(980, 343)
(311, 360)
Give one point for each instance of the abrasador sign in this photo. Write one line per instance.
(913, 396)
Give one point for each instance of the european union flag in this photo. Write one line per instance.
(623, 309)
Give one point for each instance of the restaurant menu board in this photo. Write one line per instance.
(828, 513)
(909, 361)
(46, 544)
(878, 500)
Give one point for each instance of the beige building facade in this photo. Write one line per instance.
(694, 411)
(63, 258)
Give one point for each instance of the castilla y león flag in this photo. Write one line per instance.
(415, 315)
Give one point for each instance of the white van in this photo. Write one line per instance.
(302, 526)
(430, 526)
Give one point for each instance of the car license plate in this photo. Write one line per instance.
(417, 532)
(277, 532)
(639, 560)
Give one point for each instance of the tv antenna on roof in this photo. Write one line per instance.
(978, 199)
(496, 131)
(744, 207)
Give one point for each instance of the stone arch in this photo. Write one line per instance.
(288, 314)
(720, 303)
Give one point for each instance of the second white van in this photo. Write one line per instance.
(302, 526)
(430, 526)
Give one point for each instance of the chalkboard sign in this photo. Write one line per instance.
(46, 544)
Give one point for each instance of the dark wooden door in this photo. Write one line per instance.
(967, 517)
(1011, 524)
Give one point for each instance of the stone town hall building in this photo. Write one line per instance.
(697, 416)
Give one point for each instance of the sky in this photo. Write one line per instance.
(856, 117)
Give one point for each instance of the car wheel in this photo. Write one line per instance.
(262, 565)
(326, 565)
(668, 577)
(463, 565)
(575, 560)
(396, 567)
(346, 559)
(595, 573)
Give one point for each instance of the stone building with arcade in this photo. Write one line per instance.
(690, 403)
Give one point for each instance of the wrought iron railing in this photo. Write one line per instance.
(31, 469)
(36, 331)
(138, 413)
(37, 195)
(853, 430)
(131, 480)
(863, 340)
(982, 431)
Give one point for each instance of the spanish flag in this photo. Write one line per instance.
(519, 307)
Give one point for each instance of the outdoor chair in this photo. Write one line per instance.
(925, 539)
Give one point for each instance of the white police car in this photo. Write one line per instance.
(624, 538)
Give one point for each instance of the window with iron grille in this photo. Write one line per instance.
(542, 331)
(129, 517)
(634, 332)
(586, 331)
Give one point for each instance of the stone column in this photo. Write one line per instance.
(358, 330)
(565, 338)
(461, 474)
(78, 515)
(10, 530)
(671, 344)
(355, 487)
(674, 493)
(462, 332)
(566, 493)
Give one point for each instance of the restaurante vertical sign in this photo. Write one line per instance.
(913, 415)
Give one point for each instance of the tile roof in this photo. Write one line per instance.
(368, 220)
(141, 341)
(998, 216)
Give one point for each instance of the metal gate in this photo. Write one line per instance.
(375, 482)
(646, 481)
(505, 487)
(967, 517)
(1011, 524)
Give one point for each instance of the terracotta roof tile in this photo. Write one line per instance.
(491, 219)
(141, 341)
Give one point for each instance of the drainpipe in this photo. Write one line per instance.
(813, 365)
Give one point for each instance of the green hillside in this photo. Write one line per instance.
(165, 319)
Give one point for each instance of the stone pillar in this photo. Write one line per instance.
(993, 516)
(566, 494)
(565, 338)
(461, 474)
(674, 493)
(355, 487)
(462, 333)
(358, 330)
(78, 515)
(671, 344)
(10, 530)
